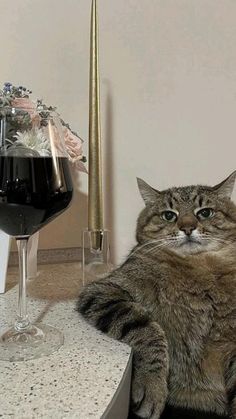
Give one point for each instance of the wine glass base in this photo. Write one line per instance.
(39, 340)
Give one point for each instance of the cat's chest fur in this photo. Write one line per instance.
(197, 297)
(207, 275)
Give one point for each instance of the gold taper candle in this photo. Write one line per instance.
(95, 198)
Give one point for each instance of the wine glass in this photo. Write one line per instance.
(35, 187)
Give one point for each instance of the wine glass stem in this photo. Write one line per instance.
(22, 323)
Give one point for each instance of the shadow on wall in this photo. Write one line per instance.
(108, 156)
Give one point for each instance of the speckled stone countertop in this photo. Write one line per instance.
(82, 377)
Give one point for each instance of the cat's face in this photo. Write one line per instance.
(189, 219)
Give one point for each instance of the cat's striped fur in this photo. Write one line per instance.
(174, 301)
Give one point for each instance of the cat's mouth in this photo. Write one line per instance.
(190, 244)
(191, 241)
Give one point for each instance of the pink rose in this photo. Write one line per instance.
(74, 149)
(27, 105)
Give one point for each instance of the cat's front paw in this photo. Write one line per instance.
(148, 396)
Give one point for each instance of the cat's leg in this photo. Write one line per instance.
(113, 310)
(230, 379)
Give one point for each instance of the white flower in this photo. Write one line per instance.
(35, 140)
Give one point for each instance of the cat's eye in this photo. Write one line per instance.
(169, 216)
(205, 213)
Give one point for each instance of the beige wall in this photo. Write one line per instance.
(168, 92)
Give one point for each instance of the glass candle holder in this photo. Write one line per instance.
(96, 255)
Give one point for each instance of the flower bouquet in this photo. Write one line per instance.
(27, 128)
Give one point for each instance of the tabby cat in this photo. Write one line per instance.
(174, 301)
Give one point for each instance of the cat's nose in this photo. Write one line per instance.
(187, 224)
(188, 229)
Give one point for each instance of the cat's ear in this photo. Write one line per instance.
(224, 189)
(148, 193)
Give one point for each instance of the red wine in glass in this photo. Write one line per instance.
(32, 193)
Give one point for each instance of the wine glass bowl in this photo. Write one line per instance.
(35, 188)
(35, 182)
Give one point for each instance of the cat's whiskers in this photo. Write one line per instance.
(216, 239)
(167, 242)
(137, 249)
(175, 241)
(155, 248)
